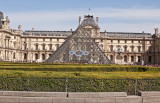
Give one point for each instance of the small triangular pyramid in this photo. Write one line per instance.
(79, 48)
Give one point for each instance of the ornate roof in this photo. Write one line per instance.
(126, 35)
(109, 34)
(89, 21)
(47, 33)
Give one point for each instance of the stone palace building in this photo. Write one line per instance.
(37, 46)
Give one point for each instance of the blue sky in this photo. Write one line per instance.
(114, 15)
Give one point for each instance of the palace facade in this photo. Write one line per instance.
(37, 46)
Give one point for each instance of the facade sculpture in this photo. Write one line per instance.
(38, 46)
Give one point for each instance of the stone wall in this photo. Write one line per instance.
(77, 97)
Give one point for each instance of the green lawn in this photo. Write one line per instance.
(77, 71)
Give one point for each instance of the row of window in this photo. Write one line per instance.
(101, 46)
(43, 39)
(125, 41)
(125, 48)
(132, 58)
(37, 56)
(111, 57)
(44, 46)
(43, 56)
(132, 48)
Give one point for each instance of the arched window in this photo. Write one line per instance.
(111, 57)
(111, 48)
(43, 57)
(150, 49)
(132, 48)
(139, 48)
(57, 46)
(125, 48)
(150, 59)
(139, 58)
(25, 46)
(132, 58)
(50, 46)
(14, 55)
(43, 47)
(14, 45)
(125, 58)
(36, 56)
(50, 55)
(36, 46)
(25, 56)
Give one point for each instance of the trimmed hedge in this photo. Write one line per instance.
(88, 69)
(73, 67)
(131, 86)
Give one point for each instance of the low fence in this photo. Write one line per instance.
(131, 86)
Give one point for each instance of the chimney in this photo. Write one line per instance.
(70, 32)
(79, 20)
(156, 31)
(19, 28)
(97, 20)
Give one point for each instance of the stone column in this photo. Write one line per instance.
(128, 58)
(8, 43)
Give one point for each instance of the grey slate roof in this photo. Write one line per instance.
(47, 33)
(109, 34)
(126, 35)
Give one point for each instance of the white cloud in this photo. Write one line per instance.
(122, 27)
(131, 13)
(67, 19)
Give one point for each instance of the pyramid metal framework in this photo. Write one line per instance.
(79, 48)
